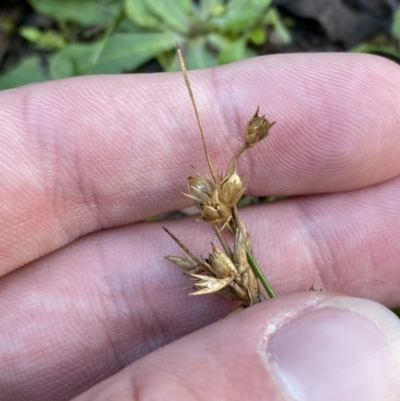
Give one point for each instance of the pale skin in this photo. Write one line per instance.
(85, 289)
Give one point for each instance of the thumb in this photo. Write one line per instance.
(308, 346)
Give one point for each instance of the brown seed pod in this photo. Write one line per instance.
(231, 190)
(220, 264)
(209, 284)
(216, 213)
(257, 129)
(206, 196)
(200, 189)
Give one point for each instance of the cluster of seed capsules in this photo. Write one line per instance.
(226, 271)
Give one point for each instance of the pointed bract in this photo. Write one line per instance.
(257, 129)
(220, 264)
(209, 284)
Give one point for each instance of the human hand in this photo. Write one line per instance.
(91, 155)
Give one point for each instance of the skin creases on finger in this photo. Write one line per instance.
(305, 347)
(78, 156)
(218, 362)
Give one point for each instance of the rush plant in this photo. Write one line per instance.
(232, 273)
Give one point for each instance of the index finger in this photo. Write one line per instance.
(87, 153)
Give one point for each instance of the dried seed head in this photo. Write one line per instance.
(187, 263)
(205, 193)
(220, 264)
(216, 214)
(231, 190)
(200, 189)
(209, 284)
(215, 211)
(257, 129)
(227, 273)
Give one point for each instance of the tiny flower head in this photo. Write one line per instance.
(257, 129)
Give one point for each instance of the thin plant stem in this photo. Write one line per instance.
(237, 223)
(232, 164)
(222, 240)
(260, 275)
(189, 88)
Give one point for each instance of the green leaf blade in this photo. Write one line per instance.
(83, 12)
(138, 12)
(27, 71)
(125, 52)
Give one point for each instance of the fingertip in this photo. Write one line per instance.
(307, 346)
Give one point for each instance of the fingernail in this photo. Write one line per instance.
(343, 349)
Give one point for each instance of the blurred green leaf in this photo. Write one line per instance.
(175, 14)
(125, 52)
(27, 71)
(228, 50)
(241, 15)
(61, 66)
(396, 24)
(233, 51)
(84, 12)
(185, 5)
(76, 59)
(43, 40)
(7, 25)
(197, 55)
(273, 19)
(168, 60)
(211, 7)
(138, 12)
(250, 53)
(257, 36)
(79, 56)
(126, 25)
(377, 49)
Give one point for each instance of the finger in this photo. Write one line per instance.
(114, 289)
(303, 347)
(84, 312)
(83, 154)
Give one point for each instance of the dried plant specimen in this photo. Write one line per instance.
(232, 273)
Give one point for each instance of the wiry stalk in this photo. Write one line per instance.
(260, 275)
(237, 224)
(222, 240)
(232, 164)
(185, 77)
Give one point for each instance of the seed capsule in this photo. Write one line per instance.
(217, 213)
(231, 190)
(257, 129)
(209, 284)
(220, 264)
(186, 263)
(201, 189)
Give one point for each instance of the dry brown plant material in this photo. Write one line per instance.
(232, 273)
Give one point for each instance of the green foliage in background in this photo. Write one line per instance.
(115, 36)
(380, 44)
